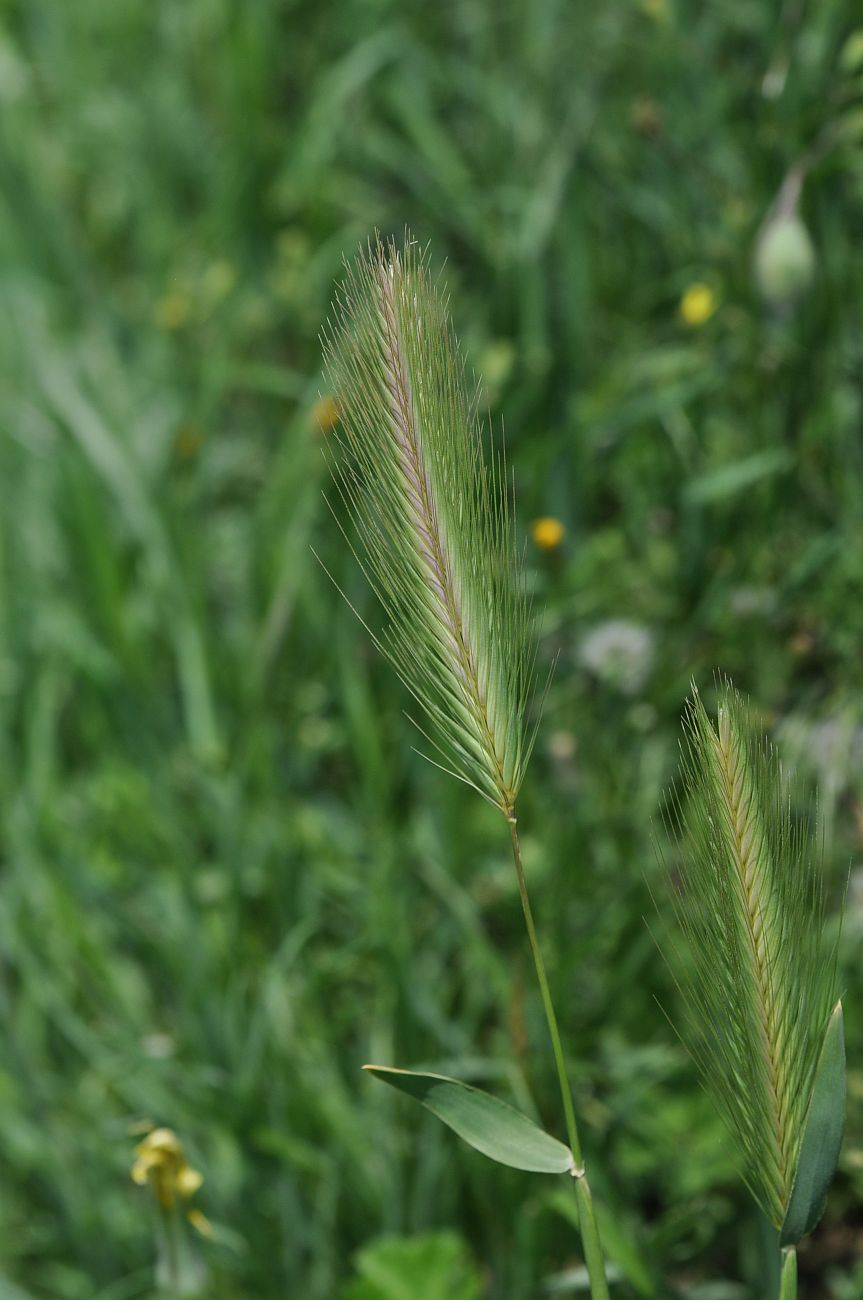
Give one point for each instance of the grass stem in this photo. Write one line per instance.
(788, 1285)
(593, 1257)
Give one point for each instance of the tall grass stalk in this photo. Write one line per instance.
(437, 543)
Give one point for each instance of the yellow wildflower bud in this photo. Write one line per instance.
(188, 1180)
(698, 304)
(173, 311)
(160, 1162)
(548, 533)
(161, 1143)
(140, 1171)
(658, 10)
(325, 414)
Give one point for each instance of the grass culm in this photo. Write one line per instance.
(436, 540)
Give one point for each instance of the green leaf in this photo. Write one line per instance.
(429, 1266)
(822, 1136)
(486, 1124)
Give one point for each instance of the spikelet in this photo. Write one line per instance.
(432, 517)
(756, 971)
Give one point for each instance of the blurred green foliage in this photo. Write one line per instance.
(428, 1266)
(226, 880)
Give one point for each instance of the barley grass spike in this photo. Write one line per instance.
(432, 517)
(758, 973)
(436, 541)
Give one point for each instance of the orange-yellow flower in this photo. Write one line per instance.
(698, 304)
(548, 533)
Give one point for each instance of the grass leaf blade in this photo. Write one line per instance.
(487, 1124)
(822, 1137)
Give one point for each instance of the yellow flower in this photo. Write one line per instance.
(188, 1180)
(161, 1163)
(172, 311)
(658, 10)
(325, 414)
(548, 533)
(698, 304)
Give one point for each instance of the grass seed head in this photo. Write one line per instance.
(432, 516)
(755, 968)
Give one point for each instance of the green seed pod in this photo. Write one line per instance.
(784, 260)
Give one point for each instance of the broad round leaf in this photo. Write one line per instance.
(484, 1122)
(822, 1136)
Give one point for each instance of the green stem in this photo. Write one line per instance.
(587, 1221)
(593, 1256)
(788, 1285)
(172, 1233)
(551, 1018)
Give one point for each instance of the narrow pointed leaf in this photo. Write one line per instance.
(822, 1136)
(485, 1123)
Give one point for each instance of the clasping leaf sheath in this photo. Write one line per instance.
(432, 516)
(756, 969)
(822, 1137)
